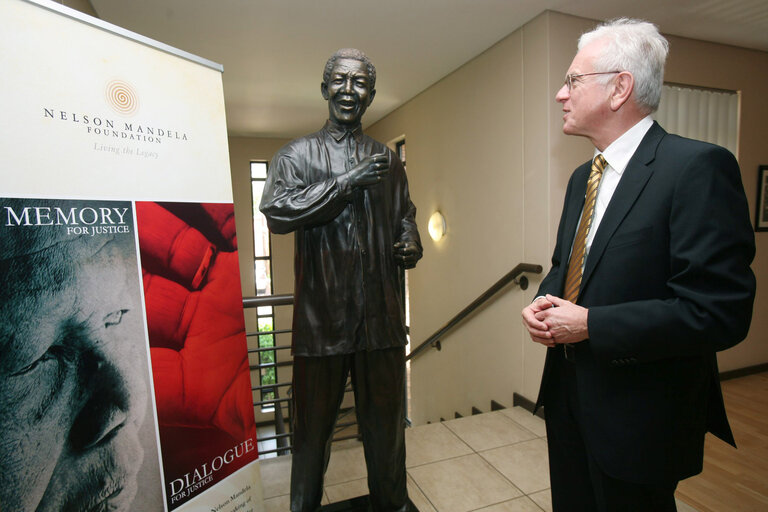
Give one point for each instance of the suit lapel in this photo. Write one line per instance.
(632, 182)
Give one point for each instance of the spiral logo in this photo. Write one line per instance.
(122, 98)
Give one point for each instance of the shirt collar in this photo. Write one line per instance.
(338, 132)
(621, 150)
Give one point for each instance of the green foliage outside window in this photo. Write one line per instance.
(268, 375)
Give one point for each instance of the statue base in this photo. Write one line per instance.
(359, 504)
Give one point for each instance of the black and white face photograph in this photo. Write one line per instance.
(75, 408)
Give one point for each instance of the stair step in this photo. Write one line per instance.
(496, 406)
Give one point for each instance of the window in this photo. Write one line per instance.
(262, 269)
(398, 145)
(710, 115)
(399, 148)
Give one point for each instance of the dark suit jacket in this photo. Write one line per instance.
(667, 283)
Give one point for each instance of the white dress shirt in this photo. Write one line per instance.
(617, 155)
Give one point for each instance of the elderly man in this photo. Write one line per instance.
(346, 197)
(650, 278)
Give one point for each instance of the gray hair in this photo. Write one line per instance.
(635, 46)
(350, 53)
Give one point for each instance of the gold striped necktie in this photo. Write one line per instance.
(576, 263)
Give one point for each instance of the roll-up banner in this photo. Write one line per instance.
(124, 379)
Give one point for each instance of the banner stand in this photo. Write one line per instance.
(125, 381)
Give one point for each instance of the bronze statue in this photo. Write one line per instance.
(346, 198)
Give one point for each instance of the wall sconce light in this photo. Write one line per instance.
(436, 226)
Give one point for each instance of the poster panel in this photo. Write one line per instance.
(197, 339)
(75, 395)
(115, 170)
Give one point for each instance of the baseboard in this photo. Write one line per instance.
(521, 401)
(743, 372)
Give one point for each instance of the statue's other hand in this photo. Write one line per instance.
(407, 254)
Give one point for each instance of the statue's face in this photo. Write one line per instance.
(348, 91)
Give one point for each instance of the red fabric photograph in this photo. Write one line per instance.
(197, 342)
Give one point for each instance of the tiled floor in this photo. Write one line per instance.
(494, 462)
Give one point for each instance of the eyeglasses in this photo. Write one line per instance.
(569, 78)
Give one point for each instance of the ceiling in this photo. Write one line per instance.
(273, 51)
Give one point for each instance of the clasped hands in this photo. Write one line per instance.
(551, 320)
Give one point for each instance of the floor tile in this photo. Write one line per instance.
(524, 464)
(283, 503)
(489, 430)
(527, 420)
(462, 484)
(522, 504)
(347, 490)
(345, 444)
(417, 497)
(430, 443)
(278, 504)
(355, 488)
(276, 476)
(444, 473)
(346, 465)
(543, 499)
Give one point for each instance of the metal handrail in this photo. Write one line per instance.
(273, 401)
(266, 349)
(279, 364)
(282, 438)
(270, 386)
(268, 300)
(512, 275)
(279, 331)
